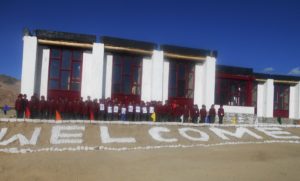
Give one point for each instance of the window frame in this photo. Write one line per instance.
(283, 110)
(237, 80)
(174, 95)
(59, 91)
(122, 59)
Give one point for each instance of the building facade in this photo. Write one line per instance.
(60, 64)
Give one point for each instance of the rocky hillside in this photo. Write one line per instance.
(9, 90)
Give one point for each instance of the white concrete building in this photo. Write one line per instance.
(59, 64)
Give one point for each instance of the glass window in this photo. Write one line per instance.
(117, 76)
(75, 86)
(63, 64)
(181, 79)
(77, 55)
(232, 92)
(53, 84)
(76, 70)
(181, 88)
(54, 69)
(65, 80)
(55, 53)
(127, 86)
(116, 88)
(127, 67)
(127, 74)
(66, 59)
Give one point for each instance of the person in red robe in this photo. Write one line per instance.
(43, 107)
(18, 107)
(82, 109)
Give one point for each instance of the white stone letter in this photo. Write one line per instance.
(105, 137)
(22, 139)
(155, 133)
(58, 137)
(277, 133)
(239, 133)
(203, 135)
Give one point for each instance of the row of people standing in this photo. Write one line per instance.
(107, 109)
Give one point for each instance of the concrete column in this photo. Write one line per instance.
(165, 81)
(209, 81)
(265, 99)
(96, 79)
(45, 72)
(260, 100)
(92, 72)
(108, 77)
(297, 101)
(158, 68)
(146, 80)
(269, 95)
(199, 87)
(86, 75)
(29, 65)
(294, 105)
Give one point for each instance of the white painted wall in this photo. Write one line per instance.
(30, 46)
(199, 84)
(237, 109)
(158, 75)
(209, 81)
(45, 72)
(108, 77)
(146, 80)
(166, 81)
(294, 104)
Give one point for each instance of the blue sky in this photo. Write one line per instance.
(260, 34)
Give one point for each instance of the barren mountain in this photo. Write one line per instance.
(9, 90)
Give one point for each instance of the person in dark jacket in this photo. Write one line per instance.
(203, 114)
(212, 114)
(221, 114)
(130, 112)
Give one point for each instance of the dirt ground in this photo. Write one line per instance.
(273, 161)
(237, 162)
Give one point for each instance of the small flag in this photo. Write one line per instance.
(27, 113)
(57, 116)
(153, 116)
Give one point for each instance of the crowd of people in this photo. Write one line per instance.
(112, 109)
